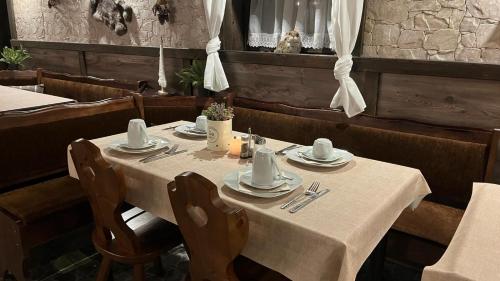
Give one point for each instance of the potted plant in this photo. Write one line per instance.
(194, 76)
(14, 57)
(220, 126)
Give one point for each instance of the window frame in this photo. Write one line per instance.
(234, 31)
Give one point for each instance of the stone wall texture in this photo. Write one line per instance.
(451, 30)
(71, 21)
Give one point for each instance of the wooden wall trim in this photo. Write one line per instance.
(113, 49)
(361, 64)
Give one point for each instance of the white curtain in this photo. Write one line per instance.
(271, 19)
(346, 15)
(215, 78)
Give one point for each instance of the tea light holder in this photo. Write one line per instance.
(235, 146)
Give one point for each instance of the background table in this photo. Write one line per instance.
(328, 240)
(474, 251)
(17, 99)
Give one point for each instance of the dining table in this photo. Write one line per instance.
(14, 99)
(473, 253)
(329, 239)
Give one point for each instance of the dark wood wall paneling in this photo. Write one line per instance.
(448, 93)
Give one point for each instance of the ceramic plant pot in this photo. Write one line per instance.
(219, 135)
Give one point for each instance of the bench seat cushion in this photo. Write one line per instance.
(40, 200)
(432, 221)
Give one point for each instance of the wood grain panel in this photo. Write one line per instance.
(54, 60)
(440, 100)
(306, 87)
(131, 67)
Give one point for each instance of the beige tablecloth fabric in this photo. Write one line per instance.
(328, 240)
(17, 99)
(474, 251)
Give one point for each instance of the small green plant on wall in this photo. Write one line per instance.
(194, 76)
(14, 57)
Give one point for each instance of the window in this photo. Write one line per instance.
(270, 20)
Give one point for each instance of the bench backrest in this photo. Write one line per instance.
(84, 88)
(450, 166)
(34, 142)
(18, 77)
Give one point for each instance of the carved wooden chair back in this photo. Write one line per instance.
(215, 234)
(106, 192)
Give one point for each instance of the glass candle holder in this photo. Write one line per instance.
(235, 146)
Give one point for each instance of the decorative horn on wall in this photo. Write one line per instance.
(162, 10)
(113, 14)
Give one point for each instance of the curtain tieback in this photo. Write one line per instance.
(343, 67)
(213, 45)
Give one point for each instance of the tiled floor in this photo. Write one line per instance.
(73, 258)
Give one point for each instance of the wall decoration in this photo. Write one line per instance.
(52, 3)
(290, 44)
(162, 10)
(113, 14)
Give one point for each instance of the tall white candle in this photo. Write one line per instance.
(162, 80)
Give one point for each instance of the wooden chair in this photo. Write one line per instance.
(214, 233)
(114, 237)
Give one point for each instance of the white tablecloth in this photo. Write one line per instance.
(17, 99)
(328, 240)
(474, 251)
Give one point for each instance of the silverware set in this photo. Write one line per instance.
(163, 154)
(304, 199)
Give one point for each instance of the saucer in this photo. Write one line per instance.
(190, 130)
(232, 181)
(295, 155)
(149, 144)
(158, 143)
(308, 154)
(246, 178)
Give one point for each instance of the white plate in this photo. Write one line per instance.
(232, 180)
(160, 143)
(308, 154)
(246, 178)
(189, 131)
(345, 157)
(151, 143)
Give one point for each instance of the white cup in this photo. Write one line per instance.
(201, 123)
(322, 148)
(136, 133)
(264, 167)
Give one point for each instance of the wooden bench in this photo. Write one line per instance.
(18, 77)
(474, 251)
(36, 149)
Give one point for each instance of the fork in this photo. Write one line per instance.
(171, 150)
(310, 191)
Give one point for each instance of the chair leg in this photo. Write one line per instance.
(104, 269)
(139, 272)
(158, 268)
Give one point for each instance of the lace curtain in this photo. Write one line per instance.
(271, 19)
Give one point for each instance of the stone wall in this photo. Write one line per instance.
(461, 30)
(71, 21)
(453, 30)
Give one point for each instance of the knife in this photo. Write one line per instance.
(286, 149)
(311, 198)
(168, 151)
(166, 155)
